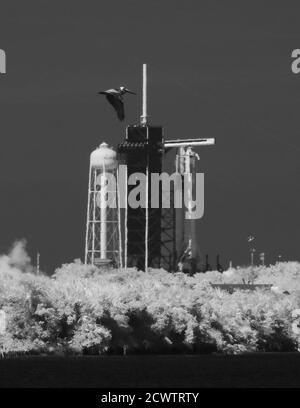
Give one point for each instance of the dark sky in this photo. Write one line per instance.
(217, 69)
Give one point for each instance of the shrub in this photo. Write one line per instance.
(83, 310)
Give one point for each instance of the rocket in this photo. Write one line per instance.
(189, 257)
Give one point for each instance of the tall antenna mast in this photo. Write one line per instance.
(144, 117)
(38, 263)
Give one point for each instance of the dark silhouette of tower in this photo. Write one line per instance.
(219, 266)
(207, 265)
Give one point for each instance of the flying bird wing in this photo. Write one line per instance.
(112, 91)
(117, 103)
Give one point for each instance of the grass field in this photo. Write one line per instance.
(254, 370)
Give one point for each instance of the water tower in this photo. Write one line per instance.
(102, 244)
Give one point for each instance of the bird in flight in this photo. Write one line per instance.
(115, 98)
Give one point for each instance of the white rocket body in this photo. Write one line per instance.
(188, 252)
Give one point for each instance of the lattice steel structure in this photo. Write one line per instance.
(168, 236)
(142, 153)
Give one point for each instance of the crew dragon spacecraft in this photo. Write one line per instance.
(122, 235)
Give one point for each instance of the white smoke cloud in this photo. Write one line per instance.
(18, 255)
(17, 258)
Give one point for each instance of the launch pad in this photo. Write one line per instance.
(144, 237)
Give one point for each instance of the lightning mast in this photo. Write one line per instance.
(142, 153)
(38, 263)
(144, 117)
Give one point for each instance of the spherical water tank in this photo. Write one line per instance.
(104, 157)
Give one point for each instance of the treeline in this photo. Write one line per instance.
(86, 311)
